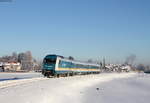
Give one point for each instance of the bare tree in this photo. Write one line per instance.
(28, 55)
(21, 56)
(15, 56)
(130, 59)
(26, 60)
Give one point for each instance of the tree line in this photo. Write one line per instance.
(25, 59)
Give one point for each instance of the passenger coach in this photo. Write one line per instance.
(55, 65)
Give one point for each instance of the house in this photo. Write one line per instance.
(12, 66)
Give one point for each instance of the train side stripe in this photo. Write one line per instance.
(76, 69)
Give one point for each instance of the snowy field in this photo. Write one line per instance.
(130, 90)
(101, 88)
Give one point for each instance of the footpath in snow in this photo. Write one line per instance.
(77, 89)
(13, 79)
(16, 76)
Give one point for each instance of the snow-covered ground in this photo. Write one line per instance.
(101, 88)
(130, 90)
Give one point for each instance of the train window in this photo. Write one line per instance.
(72, 65)
(64, 64)
(50, 61)
(61, 64)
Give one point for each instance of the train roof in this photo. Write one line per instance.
(54, 55)
(79, 62)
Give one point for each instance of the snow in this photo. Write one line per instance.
(100, 88)
(130, 90)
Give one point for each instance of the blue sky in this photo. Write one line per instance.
(84, 29)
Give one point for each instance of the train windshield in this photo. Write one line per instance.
(50, 60)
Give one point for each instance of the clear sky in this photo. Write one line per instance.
(83, 29)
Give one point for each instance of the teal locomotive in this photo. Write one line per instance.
(55, 65)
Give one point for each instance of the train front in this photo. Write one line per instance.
(49, 63)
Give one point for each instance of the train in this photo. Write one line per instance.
(56, 66)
